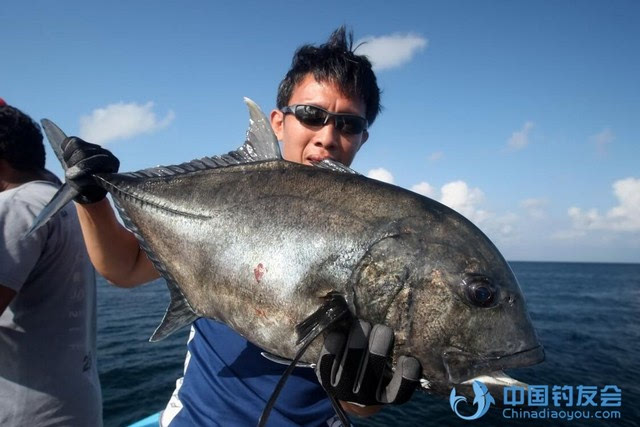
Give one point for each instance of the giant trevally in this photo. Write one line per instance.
(278, 250)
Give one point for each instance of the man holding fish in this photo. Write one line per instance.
(325, 104)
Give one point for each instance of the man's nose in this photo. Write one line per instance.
(327, 136)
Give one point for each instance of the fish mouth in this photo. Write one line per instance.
(462, 366)
(495, 382)
(318, 158)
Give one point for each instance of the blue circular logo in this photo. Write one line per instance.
(482, 398)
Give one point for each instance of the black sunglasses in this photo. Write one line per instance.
(311, 115)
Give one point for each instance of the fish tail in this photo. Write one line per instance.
(56, 136)
(66, 193)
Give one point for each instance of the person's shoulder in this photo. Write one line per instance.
(28, 199)
(37, 193)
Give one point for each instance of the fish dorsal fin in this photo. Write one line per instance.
(334, 166)
(261, 144)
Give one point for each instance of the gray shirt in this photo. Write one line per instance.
(48, 372)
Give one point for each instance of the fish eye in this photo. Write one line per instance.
(482, 294)
(480, 291)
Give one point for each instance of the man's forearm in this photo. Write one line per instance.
(361, 411)
(114, 250)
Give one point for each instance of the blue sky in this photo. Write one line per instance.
(524, 116)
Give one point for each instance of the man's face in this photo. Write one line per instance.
(306, 144)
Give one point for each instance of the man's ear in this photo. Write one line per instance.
(277, 123)
(365, 136)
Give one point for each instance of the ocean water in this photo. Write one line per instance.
(586, 316)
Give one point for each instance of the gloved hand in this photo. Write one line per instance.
(84, 159)
(356, 368)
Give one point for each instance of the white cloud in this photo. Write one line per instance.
(459, 197)
(120, 121)
(602, 140)
(434, 157)
(381, 174)
(424, 188)
(535, 208)
(520, 139)
(468, 201)
(533, 232)
(568, 234)
(506, 227)
(623, 217)
(390, 51)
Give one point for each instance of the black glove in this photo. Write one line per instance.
(356, 368)
(82, 160)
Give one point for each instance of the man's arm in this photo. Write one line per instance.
(361, 411)
(6, 296)
(114, 250)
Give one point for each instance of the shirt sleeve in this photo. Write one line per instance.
(18, 253)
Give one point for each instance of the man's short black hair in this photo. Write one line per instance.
(20, 140)
(334, 62)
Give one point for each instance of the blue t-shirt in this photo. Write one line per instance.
(227, 382)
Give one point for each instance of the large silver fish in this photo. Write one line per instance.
(278, 250)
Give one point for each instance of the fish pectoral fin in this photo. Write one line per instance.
(178, 314)
(334, 310)
(284, 361)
